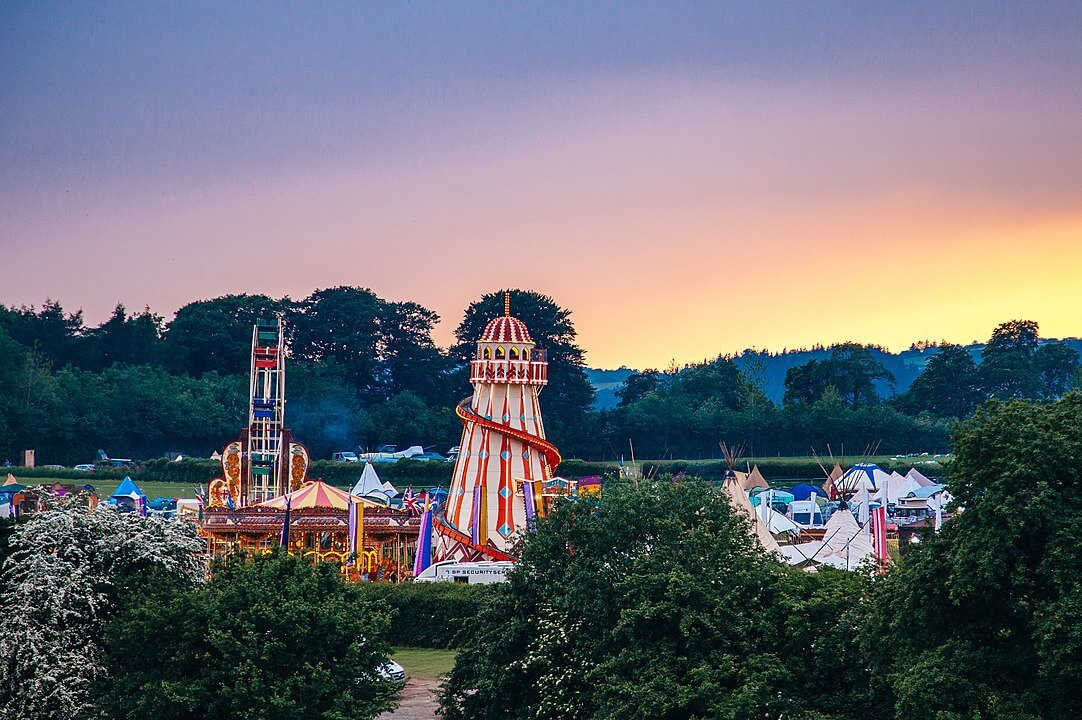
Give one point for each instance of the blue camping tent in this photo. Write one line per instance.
(803, 491)
(129, 497)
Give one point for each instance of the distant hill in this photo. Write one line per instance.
(768, 369)
(606, 383)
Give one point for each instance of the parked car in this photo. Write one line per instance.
(345, 457)
(85, 467)
(392, 671)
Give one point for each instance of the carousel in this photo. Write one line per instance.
(265, 499)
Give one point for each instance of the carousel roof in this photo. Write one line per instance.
(312, 495)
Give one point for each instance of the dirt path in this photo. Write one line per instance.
(417, 701)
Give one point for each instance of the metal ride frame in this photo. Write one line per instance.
(266, 413)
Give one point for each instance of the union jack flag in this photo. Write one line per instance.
(410, 501)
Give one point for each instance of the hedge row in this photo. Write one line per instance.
(771, 468)
(428, 615)
(418, 473)
(422, 474)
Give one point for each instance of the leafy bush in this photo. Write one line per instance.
(429, 614)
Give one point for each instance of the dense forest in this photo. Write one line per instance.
(364, 371)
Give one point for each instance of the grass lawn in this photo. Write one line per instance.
(105, 488)
(424, 663)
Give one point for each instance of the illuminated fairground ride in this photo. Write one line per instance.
(505, 464)
(265, 462)
(321, 523)
(265, 499)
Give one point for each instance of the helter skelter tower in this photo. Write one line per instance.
(504, 458)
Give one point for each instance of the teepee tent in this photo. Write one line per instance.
(739, 500)
(755, 479)
(832, 477)
(899, 486)
(368, 483)
(845, 541)
(862, 475)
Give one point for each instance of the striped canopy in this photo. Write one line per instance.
(312, 495)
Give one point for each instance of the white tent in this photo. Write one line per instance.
(845, 541)
(733, 488)
(863, 475)
(368, 483)
(919, 477)
(775, 521)
(803, 552)
(899, 486)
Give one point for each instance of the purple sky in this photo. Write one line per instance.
(689, 179)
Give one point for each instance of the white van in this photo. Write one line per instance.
(472, 573)
(345, 457)
(806, 514)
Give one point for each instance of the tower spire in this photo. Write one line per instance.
(507, 303)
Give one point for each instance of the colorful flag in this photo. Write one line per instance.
(356, 528)
(479, 520)
(409, 501)
(284, 541)
(423, 558)
(879, 535)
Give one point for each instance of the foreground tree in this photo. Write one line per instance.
(67, 573)
(657, 602)
(981, 620)
(267, 638)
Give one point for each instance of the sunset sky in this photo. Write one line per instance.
(690, 179)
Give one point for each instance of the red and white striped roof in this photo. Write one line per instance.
(506, 329)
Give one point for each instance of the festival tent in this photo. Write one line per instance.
(773, 495)
(739, 499)
(776, 522)
(11, 485)
(805, 554)
(915, 474)
(369, 483)
(863, 475)
(845, 541)
(803, 491)
(755, 479)
(899, 486)
(129, 496)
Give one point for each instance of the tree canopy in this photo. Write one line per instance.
(659, 598)
(270, 637)
(981, 620)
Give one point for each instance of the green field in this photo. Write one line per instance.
(424, 663)
(105, 488)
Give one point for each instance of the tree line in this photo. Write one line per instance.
(364, 371)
